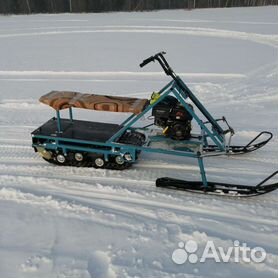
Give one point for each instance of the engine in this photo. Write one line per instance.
(173, 118)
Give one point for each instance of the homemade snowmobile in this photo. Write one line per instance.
(116, 146)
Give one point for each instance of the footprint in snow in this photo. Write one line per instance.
(36, 263)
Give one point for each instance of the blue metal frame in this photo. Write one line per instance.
(59, 128)
(173, 88)
(181, 92)
(70, 114)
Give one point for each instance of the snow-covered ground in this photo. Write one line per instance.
(73, 222)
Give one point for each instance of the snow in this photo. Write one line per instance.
(83, 222)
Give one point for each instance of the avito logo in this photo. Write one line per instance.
(186, 251)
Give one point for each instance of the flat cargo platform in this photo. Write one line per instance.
(76, 129)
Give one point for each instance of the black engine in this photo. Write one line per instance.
(173, 117)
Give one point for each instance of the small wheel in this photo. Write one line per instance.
(117, 163)
(119, 160)
(61, 158)
(78, 157)
(99, 162)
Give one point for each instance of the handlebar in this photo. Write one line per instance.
(146, 61)
(162, 61)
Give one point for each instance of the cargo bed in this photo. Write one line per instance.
(76, 129)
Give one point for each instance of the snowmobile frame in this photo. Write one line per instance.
(211, 141)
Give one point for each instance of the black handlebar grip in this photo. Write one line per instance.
(145, 62)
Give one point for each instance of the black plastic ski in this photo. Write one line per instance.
(253, 145)
(217, 188)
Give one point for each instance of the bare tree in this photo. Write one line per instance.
(28, 6)
(53, 6)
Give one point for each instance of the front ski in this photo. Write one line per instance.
(217, 188)
(253, 145)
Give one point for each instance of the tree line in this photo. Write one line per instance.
(78, 6)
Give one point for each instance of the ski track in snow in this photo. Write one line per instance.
(270, 40)
(92, 223)
(116, 74)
